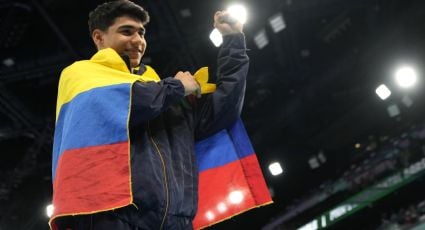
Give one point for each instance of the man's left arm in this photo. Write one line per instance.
(221, 108)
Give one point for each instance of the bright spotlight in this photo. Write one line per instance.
(275, 168)
(216, 37)
(405, 77)
(49, 210)
(383, 91)
(222, 207)
(238, 12)
(210, 215)
(236, 197)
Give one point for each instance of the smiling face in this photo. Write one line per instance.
(126, 36)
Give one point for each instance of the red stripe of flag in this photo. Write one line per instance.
(91, 179)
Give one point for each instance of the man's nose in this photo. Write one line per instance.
(137, 38)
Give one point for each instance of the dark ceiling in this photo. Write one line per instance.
(310, 90)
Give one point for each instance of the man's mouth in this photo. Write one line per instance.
(134, 51)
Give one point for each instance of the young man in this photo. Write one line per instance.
(123, 153)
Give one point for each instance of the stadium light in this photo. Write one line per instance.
(238, 12)
(383, 91)
(261, 39)
(216, 38)
(8, 62)
(49, 210)
(393, 110)
(314, 162)
(407, 101)
(405, 76)
(186, 13)
(275, 168)
(277, 23)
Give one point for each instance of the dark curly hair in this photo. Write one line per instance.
(105, 14)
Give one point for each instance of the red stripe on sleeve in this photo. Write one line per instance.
(255, 180)
(230, 189)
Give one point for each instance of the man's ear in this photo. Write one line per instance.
(97, 36)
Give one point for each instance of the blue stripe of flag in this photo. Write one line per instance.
(95, 117)
(240, 139)
(223, 147)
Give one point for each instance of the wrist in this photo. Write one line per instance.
(177, 85)
(235, 40)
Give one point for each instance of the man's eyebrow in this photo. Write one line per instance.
(132, 27)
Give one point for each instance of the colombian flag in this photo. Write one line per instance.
(91, 158)
(91, 154)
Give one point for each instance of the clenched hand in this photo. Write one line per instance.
(189, 83)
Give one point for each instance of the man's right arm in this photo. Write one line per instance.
(150, 99)
(155, 97)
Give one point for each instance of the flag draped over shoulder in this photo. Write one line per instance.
(91, 154)
(91, 159)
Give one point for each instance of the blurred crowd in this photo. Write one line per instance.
(409, 217)
(373, 160)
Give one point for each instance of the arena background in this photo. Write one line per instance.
(350, 160)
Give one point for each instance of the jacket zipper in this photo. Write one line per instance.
(167, 200)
